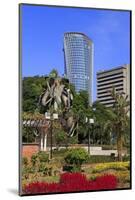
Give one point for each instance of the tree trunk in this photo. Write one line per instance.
(119, 146)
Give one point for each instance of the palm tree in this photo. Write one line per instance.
(120, 118)
(103, 118)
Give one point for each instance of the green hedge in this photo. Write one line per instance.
(101, 159)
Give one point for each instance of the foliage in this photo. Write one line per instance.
(102, 126)
(53, 73)
(32, 115)
(60, 137)
(24, 161)
(43, 156)
(34, 159)
(70, 182)
(100, 159)
(32, 88)
(60, 152)
(120, 120)
(126, 158)
(39, 157)
(122, 176)
(76, 157)
(28, 135)
(127, 135)
(71, 140)
(43, 168)
(114, 165)
(26, 171)
(81, 110)
(40, 166)
(80, 102)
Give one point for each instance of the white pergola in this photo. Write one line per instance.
(42, 125)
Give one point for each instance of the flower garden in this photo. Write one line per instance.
(71, 171)
(72, 182)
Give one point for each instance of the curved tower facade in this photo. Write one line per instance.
(78, 54)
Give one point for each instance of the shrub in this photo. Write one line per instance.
(59, 152)
(43, 168)
(26, 171)
(100, 159)
(126, 158)
(123, 176)
(76, 157)
(34, 159)
(113, 165)
(60, 137)
(25, 161)
(42, 156)
(70, 182)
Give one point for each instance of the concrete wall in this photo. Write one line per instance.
(29, 149)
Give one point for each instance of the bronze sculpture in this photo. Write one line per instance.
(58, 98)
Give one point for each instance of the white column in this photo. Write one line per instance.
(45, 142)
(41, 144)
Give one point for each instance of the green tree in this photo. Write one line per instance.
(102, 122)
(76, 157)
(32, 88)
(80, 110)
(53, 73)
(120, 119)
(60, 138)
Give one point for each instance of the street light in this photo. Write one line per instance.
(89, 121)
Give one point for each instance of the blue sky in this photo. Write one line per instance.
(42, 37)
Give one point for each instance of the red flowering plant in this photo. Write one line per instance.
(71, 182)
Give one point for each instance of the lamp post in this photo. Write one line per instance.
(89, 121)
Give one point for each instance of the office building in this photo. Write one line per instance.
(118, 78)
(78, 55)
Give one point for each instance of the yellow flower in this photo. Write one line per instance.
(111, 165)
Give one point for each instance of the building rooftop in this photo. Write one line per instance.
(79, 33)
(113, 69)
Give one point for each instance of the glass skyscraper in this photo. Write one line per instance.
(78, 54)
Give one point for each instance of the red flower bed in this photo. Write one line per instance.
(72, 178)
(71, 182)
